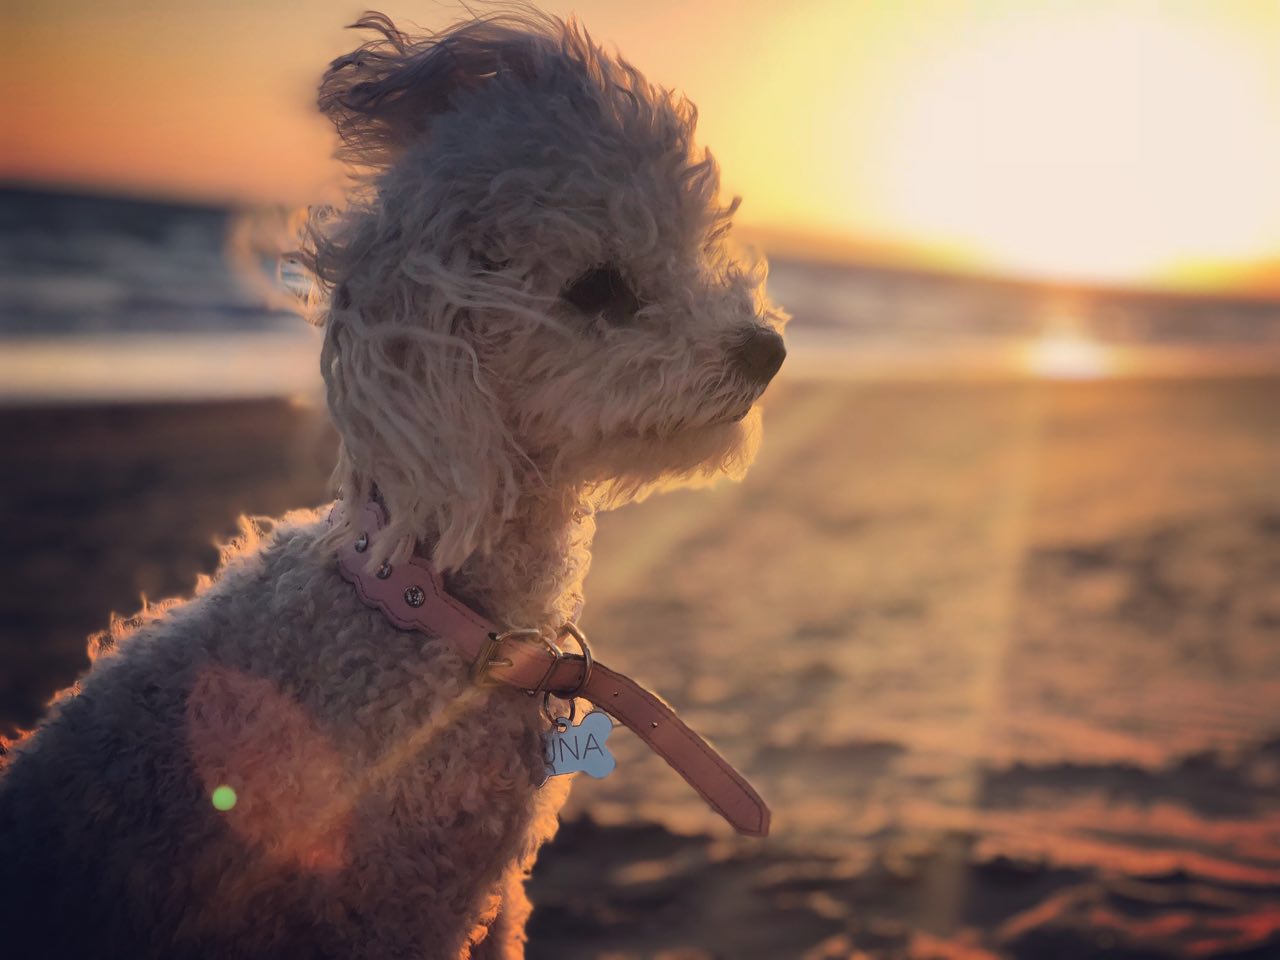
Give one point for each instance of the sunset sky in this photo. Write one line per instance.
(1126, 142)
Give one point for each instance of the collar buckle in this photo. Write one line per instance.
(489, 657)
(485, 659)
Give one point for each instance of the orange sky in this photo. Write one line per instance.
(1129, 142)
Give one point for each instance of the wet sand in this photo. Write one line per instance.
(1003, 657)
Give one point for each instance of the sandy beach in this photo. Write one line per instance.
(1002, 656)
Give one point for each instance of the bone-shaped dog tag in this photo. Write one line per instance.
(570, 749)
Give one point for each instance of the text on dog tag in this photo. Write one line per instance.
(581, 747)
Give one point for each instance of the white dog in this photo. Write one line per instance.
(531, 313)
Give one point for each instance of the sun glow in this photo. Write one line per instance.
(1102, 143)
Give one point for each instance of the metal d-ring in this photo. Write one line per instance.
(564, 723)
(573, 630)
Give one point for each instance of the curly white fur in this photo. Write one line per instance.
(386, 806)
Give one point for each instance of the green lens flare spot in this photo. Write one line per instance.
(224, 798)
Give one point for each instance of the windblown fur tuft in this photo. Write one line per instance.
(382, 95)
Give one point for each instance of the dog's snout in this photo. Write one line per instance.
(760, 355)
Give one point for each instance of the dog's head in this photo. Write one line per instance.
(533, 286)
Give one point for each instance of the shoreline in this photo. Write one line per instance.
(158, 369)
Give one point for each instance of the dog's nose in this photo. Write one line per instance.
(760, 355)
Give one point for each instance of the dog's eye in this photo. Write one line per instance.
(603, 290)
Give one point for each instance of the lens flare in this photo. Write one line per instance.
(224, 798)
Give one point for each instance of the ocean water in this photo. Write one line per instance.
(73, 265)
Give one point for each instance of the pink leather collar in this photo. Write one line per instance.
(412, 596)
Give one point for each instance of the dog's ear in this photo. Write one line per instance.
(381, 96)
(417, 418)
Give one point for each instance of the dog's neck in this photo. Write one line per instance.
(533, 575)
